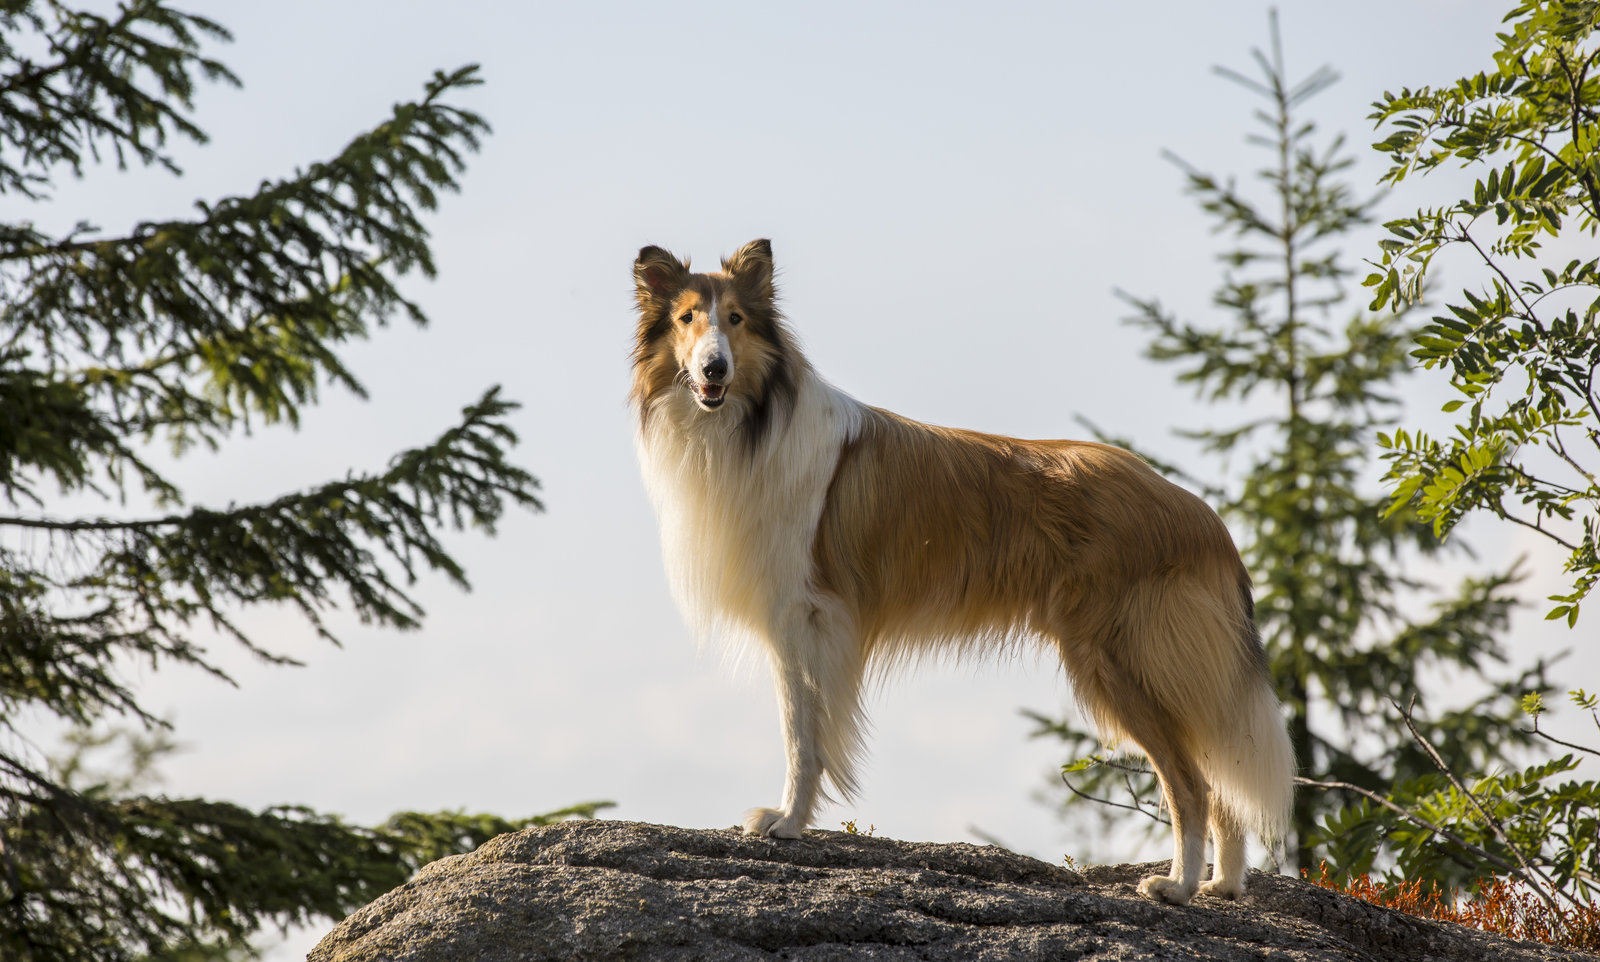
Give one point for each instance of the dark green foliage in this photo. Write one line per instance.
(120, 84)
(1336, 589)
(1522, 343)
(421, 837)
(184, 332)
(101, 866)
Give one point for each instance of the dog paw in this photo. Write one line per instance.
(1223, 888)
(1166, 889)
(771, 823)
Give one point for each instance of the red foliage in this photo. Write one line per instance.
(1501, 905)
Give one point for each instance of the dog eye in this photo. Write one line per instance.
(687, 317)
(735, 317)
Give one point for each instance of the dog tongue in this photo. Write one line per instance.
(713, 391)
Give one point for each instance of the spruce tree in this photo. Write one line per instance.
(1334, 574)
(182, 332)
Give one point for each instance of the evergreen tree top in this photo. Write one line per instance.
(185, 331)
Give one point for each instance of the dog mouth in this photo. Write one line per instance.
(709, 395)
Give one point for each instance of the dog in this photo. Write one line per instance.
(848, 539)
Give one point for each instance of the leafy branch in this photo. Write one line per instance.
(1522, 360)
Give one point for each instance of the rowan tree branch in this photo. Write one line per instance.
(1135, 807)
(1411, 817)
(1541, 884)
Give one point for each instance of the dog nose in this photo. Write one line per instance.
(715, 369)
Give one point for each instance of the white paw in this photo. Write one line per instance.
(771, 823)
(1223, 888)
(1164, 888)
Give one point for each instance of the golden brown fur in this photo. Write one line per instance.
(1009, 533)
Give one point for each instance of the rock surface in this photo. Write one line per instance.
(625, 890)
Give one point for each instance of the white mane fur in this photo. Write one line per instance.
(738, 524)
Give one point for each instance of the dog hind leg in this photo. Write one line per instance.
(1124, 708)
(1228, 872)
(1186, 794)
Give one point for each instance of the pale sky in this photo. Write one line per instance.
(953, 191)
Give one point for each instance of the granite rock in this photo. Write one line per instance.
(624, 890)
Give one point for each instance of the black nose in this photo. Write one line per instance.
(715, 369)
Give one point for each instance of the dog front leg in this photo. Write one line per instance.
(798, 704)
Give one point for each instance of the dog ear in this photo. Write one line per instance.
(657, 274)
(751, 269)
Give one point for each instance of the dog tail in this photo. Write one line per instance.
(1247, 758)
(1191, 644)
(1252, 776)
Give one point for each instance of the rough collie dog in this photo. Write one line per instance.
(847, 538)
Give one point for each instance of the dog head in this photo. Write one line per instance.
(717, 337)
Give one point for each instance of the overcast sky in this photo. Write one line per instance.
(953, 192)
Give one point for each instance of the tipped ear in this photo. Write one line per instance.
(657, 274)
(751, 269)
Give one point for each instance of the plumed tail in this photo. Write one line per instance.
(1250, 765)
(1196, 677)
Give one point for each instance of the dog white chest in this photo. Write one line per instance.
(737, 525)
